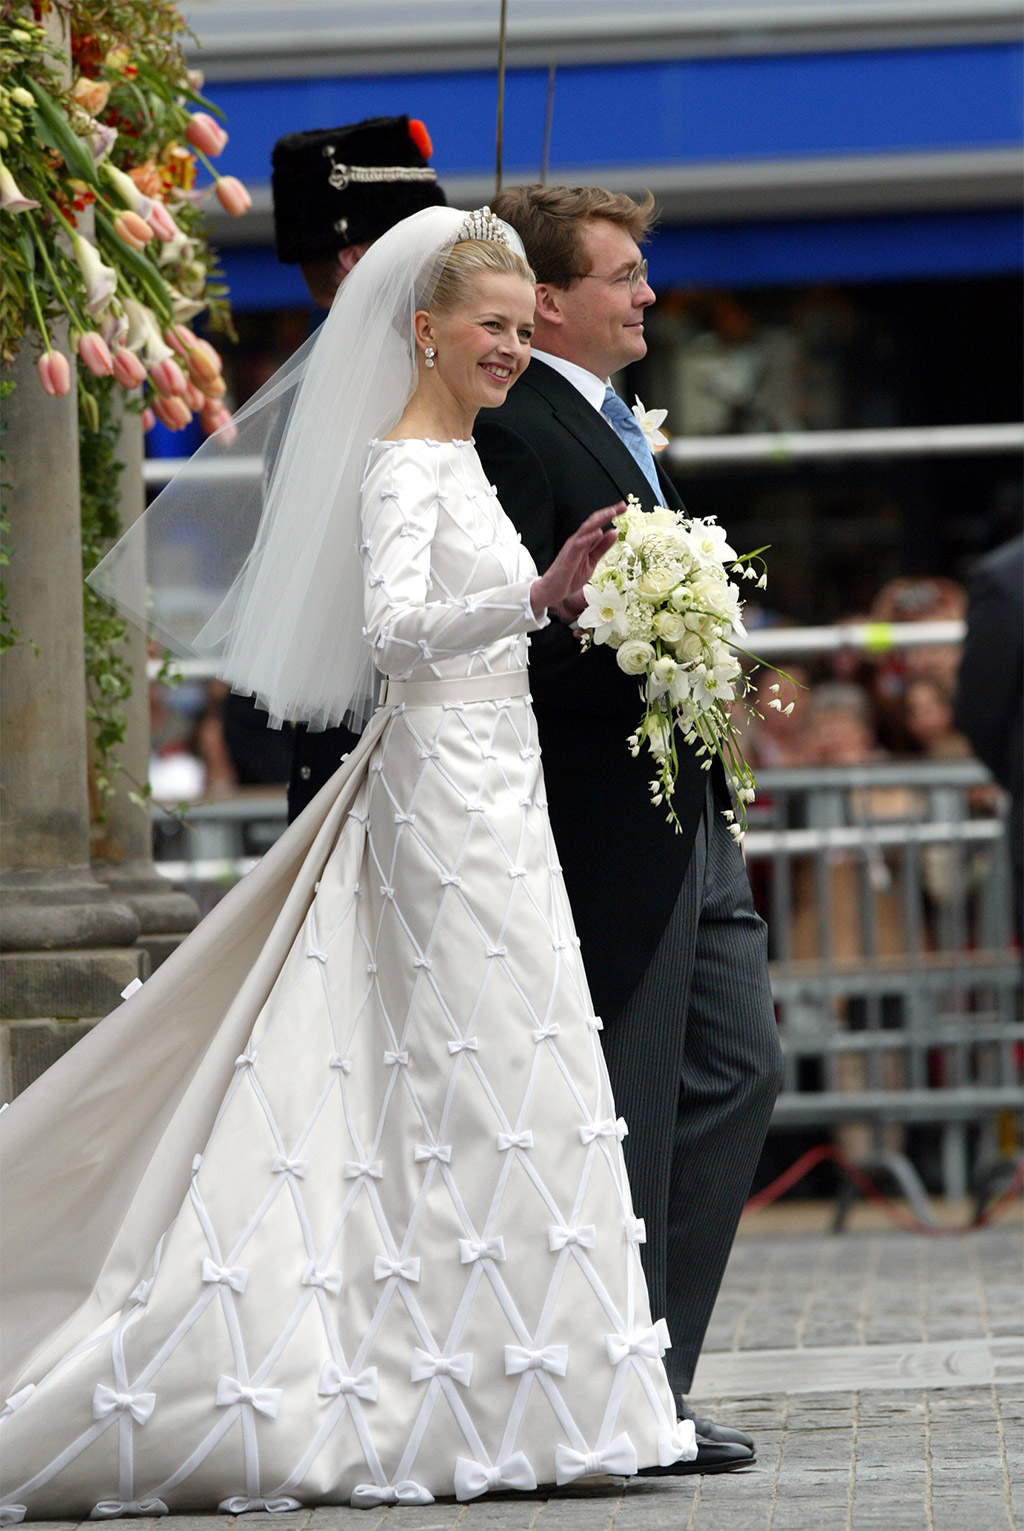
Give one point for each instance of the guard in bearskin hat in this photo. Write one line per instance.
(336, 190)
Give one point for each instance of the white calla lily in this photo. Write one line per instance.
(127, 190)
(12, 198)
(100, 280)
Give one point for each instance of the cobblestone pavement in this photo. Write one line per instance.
(916, 1444)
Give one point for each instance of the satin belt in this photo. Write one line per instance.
(468, 688)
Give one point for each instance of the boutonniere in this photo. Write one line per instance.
(649, 421)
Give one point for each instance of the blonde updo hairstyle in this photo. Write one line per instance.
(464, 261)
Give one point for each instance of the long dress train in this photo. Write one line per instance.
(334, 1208)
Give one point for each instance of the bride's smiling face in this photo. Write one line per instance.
(482, 345)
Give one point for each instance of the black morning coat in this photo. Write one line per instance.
(554, 459)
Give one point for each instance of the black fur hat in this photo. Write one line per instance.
(346, 186)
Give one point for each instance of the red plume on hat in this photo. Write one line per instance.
(334, 187)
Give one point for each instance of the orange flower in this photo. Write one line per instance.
(91, 95)
(148, 179)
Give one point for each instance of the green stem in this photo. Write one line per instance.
(201, 157)
(62, 298)
(130, 260)
(33, 294)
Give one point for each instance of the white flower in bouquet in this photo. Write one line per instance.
(650, 421)
(635, 656)
(605, 613)
(663, 599)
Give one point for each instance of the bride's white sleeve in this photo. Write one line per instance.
(400, 509)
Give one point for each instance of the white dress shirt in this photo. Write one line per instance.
(590, 386)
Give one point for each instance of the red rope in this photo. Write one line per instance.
(867, 1188)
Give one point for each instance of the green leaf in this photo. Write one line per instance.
(26, 248)
(74, 152)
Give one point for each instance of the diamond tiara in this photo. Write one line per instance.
(483, 224)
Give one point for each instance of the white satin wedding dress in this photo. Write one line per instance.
(334, 1208)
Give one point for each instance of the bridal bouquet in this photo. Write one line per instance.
(663, 598)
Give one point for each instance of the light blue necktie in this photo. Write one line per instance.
(623, 422)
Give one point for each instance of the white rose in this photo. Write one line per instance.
(655, 584)
(634, 656)
(662, 519)
(691, 647)
(670, 626)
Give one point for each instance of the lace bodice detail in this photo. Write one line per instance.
(447, 589)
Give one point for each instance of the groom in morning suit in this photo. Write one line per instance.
(674, 952)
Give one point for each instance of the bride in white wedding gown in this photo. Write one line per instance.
(334, 1209)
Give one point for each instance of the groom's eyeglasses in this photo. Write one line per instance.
(631, 278)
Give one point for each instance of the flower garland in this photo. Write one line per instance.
(103, 234)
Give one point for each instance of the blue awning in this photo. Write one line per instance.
(675, 111)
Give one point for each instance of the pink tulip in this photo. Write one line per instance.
(94, 352)
(161, 222)
(180, 339)
(232, 196)
(148, 419)
(216, 418)
(128, 369)
(194, 398)
(54, 373)
(174, 413)
(167, 377)
(135, 231)
(204, 363)
(205, 134)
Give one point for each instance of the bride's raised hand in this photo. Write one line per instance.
(559, 587)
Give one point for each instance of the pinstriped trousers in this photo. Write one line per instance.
(695, 1065)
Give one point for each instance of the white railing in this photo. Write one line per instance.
(783, 447)
(770, 643)
(777, 447)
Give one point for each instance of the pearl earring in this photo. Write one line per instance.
(429, 355)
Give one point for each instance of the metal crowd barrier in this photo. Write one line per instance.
(894, 969)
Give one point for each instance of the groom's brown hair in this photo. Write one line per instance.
(549, 220)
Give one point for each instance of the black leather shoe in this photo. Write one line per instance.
(712, 1457)
(724, 1434)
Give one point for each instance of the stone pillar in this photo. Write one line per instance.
(123, 847)
(67, 946)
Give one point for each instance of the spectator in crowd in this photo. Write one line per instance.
(913, 600)
(928, 719)
(839, 729)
